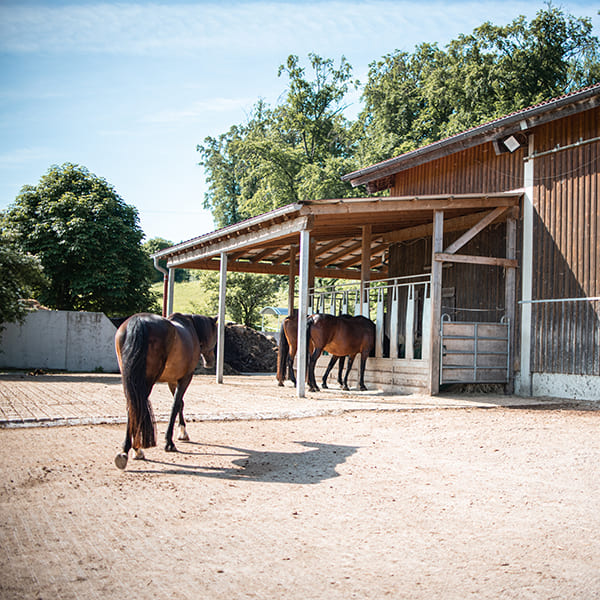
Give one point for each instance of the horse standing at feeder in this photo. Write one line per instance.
(340, 336)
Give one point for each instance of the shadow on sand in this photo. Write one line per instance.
(311, 466)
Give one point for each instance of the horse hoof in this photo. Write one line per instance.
(121, 460)
(170, 447)
(280, 384)
(324, 386)
(139, 455)
(346, 388)
(184, 437)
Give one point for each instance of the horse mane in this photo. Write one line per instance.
(204, 326)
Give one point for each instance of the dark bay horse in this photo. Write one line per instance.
(354, 335)
(340, 336)
(288, 346)
(150, 349)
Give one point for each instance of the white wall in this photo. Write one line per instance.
(62, 340)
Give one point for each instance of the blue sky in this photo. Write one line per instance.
(128, 89)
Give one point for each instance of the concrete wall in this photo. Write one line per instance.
(62, 340)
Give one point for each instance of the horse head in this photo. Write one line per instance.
(206, 329)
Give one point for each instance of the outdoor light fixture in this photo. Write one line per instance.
(512, 143)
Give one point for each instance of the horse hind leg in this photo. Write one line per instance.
(183, 434)
(122, 458)
(180, 389)
(350, 363)
(330, 366)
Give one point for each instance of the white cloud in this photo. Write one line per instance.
(23, 156)
(233, 27)
(200, 110)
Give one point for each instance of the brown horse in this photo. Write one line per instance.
(340, 336)
(363, 330)
(150, 349)
(288, 346)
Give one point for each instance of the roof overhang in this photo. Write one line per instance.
(381, 175)
(269, 242)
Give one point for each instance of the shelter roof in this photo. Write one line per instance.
(269, 242)
(380, 176)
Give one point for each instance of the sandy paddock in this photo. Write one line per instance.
(416, 503)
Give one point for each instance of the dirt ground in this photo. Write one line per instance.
(446, 503)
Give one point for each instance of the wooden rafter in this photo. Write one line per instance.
(340, 254)
(426, 230)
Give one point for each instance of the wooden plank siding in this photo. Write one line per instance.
(477, 170)
(567, 247)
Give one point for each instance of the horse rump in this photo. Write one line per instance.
(134, 351)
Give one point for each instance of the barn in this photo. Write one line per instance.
(477, 256)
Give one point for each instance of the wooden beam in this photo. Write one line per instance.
(236, 242)
(407, 204)
(341, 253)
(292, 278)
(476, 260)
(365, 269)
(265, 268)
(426, 230)
(477, 228)
(378, 250)
(266, 252)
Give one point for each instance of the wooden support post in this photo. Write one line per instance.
(292, 279)
(436, 303)
(312, 267)
(510, 298)
(365, 270)
(302, 312)
(221, 319)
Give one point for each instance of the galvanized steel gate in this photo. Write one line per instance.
(475, 352)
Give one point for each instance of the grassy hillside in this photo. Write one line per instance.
(187, 297)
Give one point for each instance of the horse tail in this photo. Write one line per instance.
(282, 355)
(142, 427)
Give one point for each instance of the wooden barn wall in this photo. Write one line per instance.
(471, 292)
(477, 169)
(567, 247)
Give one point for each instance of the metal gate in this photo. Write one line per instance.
(474, 352)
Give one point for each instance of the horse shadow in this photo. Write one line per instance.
(316, 464)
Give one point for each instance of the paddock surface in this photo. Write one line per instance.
(340, 495)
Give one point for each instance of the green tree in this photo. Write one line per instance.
(156, 245)
(415, 99)
(296, 151)
(87, 240)
(246, 295)
(21, 277)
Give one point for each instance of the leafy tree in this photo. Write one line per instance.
(156, 245)
(295, 151)
(21, 276)
(87, 240)
(414, 99)
(246, 294)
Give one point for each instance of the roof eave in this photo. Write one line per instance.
(520, 121)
